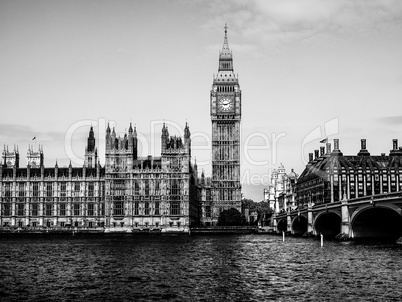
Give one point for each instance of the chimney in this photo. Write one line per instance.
(322, 151)
(336, 144)
(363, 151)
(310, 157)
(395, 150)
(363, 144)
(328, 148)
(336, 150)
(316, 154)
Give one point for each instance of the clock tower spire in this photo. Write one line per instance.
(225, 104)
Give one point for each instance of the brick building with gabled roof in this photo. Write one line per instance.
(330, 175)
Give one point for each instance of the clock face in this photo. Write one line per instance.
(225, 104)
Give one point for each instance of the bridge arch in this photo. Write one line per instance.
(282, 225)
(377, 222)
(299, 225)
(328, 224)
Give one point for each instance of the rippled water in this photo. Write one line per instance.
(196, 268)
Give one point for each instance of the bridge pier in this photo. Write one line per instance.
(275, 222)
(310, 222)
(346, 229)
(289, 222)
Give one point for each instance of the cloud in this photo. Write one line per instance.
(391, 120)
(15, 131)
(327, 15)
(22, 135)
(263, 23)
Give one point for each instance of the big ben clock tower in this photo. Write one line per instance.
(225, 117)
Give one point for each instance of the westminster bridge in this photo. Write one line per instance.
(377, 216)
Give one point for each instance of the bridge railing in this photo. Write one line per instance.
(357, 199)
(246, 227)
(376, 197)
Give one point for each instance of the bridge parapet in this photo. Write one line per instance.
(378, 197)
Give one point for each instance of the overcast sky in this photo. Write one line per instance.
(307, 69)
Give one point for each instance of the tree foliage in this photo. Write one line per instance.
(261, 207)
(264, 212)
(231, 217)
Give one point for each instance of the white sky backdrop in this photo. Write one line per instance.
(301, 64)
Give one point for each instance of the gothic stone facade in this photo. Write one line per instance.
(129, 193)
(150, 192)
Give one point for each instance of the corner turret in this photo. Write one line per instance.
(187, 139)
(11, 159)
(35, 159)
(91, 152)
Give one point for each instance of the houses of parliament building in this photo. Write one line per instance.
(130, 192)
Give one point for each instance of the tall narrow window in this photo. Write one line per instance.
(146, 208)
(20, 209)
(62, 209)
(393, 182)
(34, 209)
(385, 183)
(208, 211)
(157, 208)
(76, 193)
(136, 187)
(102, 209)
(175, 189)
(48, 209)
(49, 191)
(376, 184)
(208, 195)
(7, 190)
(90, 209)
(35, 190)
(6, 209)
(136, 208)
(146, 187)
(76, 209)
(63, 190)
(21, 189)
(90, 189)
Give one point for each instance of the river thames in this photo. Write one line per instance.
(196, 268)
